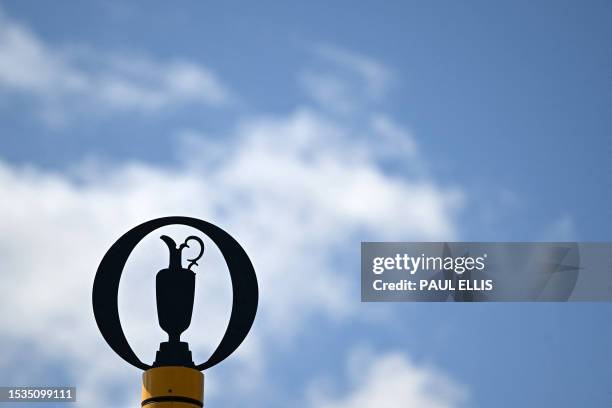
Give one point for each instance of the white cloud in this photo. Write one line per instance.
(391, 380)
(293, 190)
(343, 81)
(329, 91)
(393, 139)
(68, 81)
(376, 75)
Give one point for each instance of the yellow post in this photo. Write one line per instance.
(172, 387)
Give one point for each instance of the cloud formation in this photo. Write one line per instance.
(68, 81)
(343, 81)
(391, 380)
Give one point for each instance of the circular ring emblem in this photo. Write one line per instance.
(242, 274)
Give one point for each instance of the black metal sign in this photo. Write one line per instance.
(175, 289)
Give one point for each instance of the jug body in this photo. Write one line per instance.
(175, 290)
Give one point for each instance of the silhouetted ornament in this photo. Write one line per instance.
(175, 290)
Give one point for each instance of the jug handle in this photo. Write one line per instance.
(193, 261)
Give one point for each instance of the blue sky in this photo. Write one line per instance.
(304, 129)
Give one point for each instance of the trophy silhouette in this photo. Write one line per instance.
(175, 290)
(173, 379)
